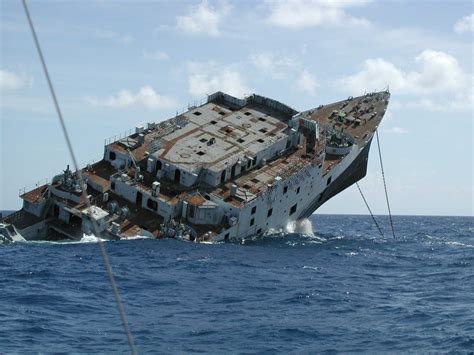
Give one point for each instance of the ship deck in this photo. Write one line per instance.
(237, 132)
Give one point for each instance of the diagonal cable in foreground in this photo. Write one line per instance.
(370, 211)
(105, 257)
(384, 183)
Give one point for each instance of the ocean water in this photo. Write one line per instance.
(338, 288)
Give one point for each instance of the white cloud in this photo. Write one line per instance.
(438, 72)
(466, 24)
(277, 66)
(203, 18)
(12, 81)
(207, 78)
(145, 97)
(307, 83)
(438, 83)
(156, 55)
(462, 100)
(307, 13)
(114, 36)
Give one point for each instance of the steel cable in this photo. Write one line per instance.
(105, 257)
(384, 184)
(370, 211)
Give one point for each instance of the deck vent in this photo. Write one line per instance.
(155, 189)
(247, 113)
(201, 153)
(197, 113)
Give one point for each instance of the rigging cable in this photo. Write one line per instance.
(105, 258)
(370, 211)
(384, 183)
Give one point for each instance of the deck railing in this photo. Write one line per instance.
(129, 132)
(118, 137)
(25, 189)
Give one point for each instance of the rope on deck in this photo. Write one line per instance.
(105, 258)
(370, 211)
(384, 183)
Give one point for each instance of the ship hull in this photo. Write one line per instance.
(355, 172)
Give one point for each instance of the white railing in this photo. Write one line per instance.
(93, 161)
(191, 105)
(129, 132)
(118, 137)
(25, 189)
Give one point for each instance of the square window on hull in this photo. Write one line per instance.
(293, 208)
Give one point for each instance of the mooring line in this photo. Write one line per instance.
(384, 183)
(105, 258)
(370, 211)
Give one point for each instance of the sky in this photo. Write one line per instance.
(119, 64)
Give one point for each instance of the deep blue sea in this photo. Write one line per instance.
(346, 289)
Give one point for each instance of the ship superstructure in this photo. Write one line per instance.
(225, 170)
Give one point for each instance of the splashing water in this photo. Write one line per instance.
(303, 226)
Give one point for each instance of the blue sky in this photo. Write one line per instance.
(116, 64)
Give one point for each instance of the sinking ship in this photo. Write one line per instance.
(226, 169)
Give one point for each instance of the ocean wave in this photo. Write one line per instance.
(459, 244)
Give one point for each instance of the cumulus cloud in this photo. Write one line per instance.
(437, 83)
(307, 83)
(203, 18)
(437, 72)
(276, 66)
(156, 55)
(207, 78)
(145, 97)
(307, 13)
(12, 81)
(114, 36)
(466, 24)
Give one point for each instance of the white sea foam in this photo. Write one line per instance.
(311, 267)
(352, 253)
(90, 239)
(135, 237)
(459, 244)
